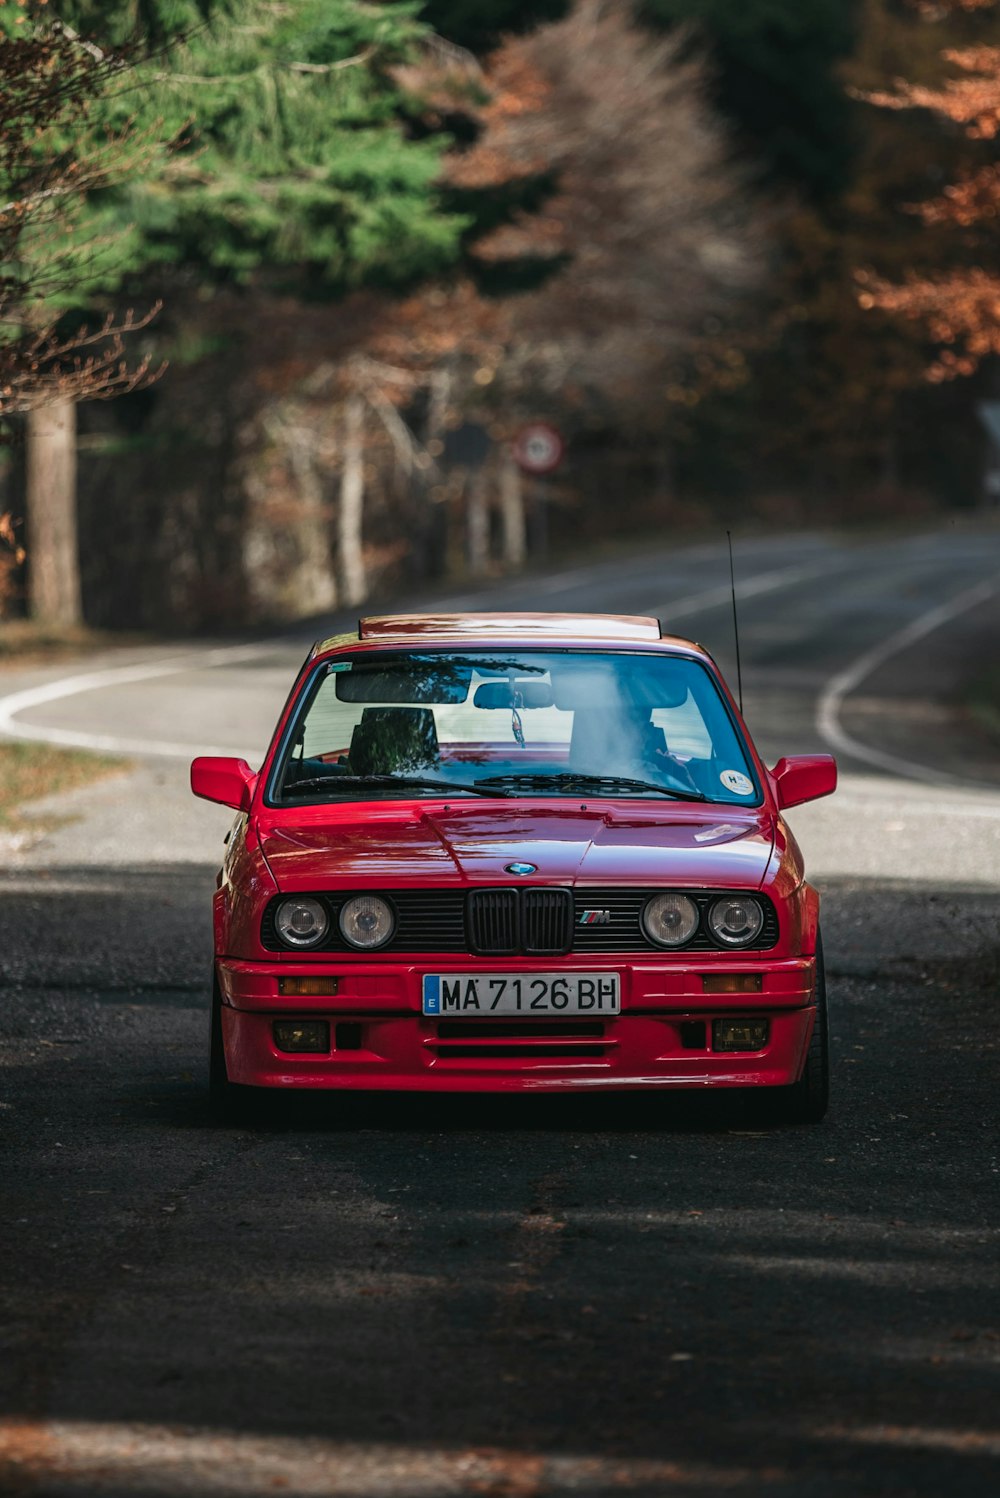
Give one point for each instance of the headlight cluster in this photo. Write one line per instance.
(301, 923)
(365, 922)
(735, 920)
(671, 920)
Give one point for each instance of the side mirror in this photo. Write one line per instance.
(229, 781)
(804, 777)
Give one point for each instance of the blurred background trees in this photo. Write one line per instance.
(387, 237)
(958, 302)
(51, 163)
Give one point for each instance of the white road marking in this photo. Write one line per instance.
(845, 682)
(90, 681)
(747, 587)
(70, 686)
(90, 1457)
(598, 572)
(827, 714)
(962, 1442)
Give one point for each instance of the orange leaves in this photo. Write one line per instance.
(8, 540)
(960, 307)
(12, 554)
(970, 201)
(961, 311)
(936, 10)
(518, 90)
(972, 102)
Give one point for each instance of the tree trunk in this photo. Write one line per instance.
(477, 523)
(54, 563)
(353, 583)
(314, 583)
(512, 512)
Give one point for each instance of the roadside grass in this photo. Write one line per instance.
(25, 643)
(29, 771)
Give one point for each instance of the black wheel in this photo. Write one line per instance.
(228, 1101)
(806, 1101)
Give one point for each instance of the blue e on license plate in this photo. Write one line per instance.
(469, 994)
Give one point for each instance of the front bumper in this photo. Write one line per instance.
(379, 1040)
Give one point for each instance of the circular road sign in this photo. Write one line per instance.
(538, 447)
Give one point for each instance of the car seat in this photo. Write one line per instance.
(592, 740)
(393, 740)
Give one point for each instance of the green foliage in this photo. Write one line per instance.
(283, 143)
(777, 78)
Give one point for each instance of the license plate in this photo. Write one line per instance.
(469, 994)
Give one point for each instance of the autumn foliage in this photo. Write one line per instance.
(629, 224)
(960, 307)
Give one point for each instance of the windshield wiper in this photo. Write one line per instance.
(411, 782)
(569, 780)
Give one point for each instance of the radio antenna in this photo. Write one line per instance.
(736, 622)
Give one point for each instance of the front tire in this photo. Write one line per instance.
(807, 1100)
(229, 1102)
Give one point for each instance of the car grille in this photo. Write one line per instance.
(493, 918)
(505, 922)
(537, 921)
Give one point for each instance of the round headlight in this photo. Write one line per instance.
(670, 920)
(367, 921)
(301, 923)
(735, 920)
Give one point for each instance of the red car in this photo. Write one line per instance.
(525, 852)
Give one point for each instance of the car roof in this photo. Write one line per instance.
(526, 628)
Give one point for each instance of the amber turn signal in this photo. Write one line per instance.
(306, 988)
(731, 982)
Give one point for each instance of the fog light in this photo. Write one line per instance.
(731, 982)
(739, 1034)
(302, 1034)
(306, 988)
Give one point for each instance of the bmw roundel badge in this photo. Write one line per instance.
(520, 868)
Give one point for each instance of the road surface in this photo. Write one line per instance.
(531, 1296)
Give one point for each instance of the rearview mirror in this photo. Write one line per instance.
(804, 777)
(511, 694)
(218, 778)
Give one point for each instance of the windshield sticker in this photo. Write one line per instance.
(340, 666)
(739, 784)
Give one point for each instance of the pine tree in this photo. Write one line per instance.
(286, 157)
(50, 83)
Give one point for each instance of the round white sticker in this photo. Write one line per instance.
(739, 784)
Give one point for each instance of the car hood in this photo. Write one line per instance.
(389, 846)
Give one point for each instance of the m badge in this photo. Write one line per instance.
(594, 918)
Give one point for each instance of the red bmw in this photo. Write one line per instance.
(526, 852)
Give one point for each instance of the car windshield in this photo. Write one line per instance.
(513, 722)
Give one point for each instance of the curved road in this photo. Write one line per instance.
(545, 1297)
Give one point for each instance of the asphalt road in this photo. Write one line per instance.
(531, 1296)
